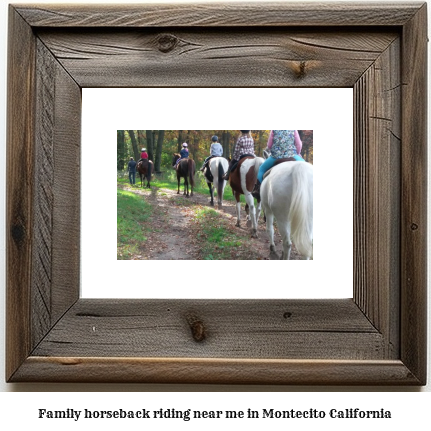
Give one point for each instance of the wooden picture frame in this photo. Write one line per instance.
(378, 337)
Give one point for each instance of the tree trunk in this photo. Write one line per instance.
(180, 140)
(141, 140)
(121, 150)
(134, 144)
(159, 150)
(149, 134)
(227, 152)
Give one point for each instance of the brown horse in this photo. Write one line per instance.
(242, 181)
(145, 169)
(186, 169)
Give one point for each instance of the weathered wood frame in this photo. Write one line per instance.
(378, 337)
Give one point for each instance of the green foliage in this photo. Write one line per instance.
(132, 212)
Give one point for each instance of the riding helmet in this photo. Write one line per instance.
(144, 149)
(185, 144)
(214, 138)
(244, 131)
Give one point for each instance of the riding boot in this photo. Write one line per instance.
(256, 191)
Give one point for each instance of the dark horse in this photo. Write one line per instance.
(145, 169)
(185, 169)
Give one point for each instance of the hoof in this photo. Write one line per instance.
(254, 233)
(274, 256)
(238, 224)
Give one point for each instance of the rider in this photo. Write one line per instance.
(284, 144)
(144, 155)
(216, 150)
(244, 145)
(184, 153)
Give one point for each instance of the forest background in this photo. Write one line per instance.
(162, 144)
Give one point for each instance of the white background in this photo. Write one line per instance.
(281, 108)
(412, 409)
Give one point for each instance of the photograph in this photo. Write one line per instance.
(214, 194)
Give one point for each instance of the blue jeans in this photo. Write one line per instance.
(132, 177)
(269, 163)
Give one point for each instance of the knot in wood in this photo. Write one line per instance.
(414, 226)
(167, 42)
(300, 69)
(197, 327)
(18, 233)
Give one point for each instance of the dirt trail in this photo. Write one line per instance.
(173, 227)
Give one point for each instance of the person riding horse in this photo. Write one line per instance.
(144, 155)
(184, 153)
(244, 146)
(283, 144)
(216, 150)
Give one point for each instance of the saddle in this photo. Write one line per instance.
(235, 165)
(278, 161)
(142, 162)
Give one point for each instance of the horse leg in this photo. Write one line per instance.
(179, 181)
(186, 186)
(252, 214)
(258, 211)
(210, 186)
(247, 211)
(284, 228)
(238, 209)
(270, 231)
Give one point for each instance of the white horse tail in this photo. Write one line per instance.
(301, 208)
(257, 163)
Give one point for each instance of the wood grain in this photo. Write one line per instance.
(234, 329)
(377, 101)
(19, 197)
(215, 371)
(225, 15)
(414, 229)
(379, 337)
(212, 57)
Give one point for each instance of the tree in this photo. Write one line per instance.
(150, 141)
(121, 150)
(307, 144)
(180, 140)
(134, 144)
(160, 138)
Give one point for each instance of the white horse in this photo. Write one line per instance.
(217, 166)
(242, 181)
(287, 195)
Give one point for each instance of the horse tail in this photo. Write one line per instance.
(149, 169)
(301, 208)
(257, 163)
(220, 181)
(191, 168)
